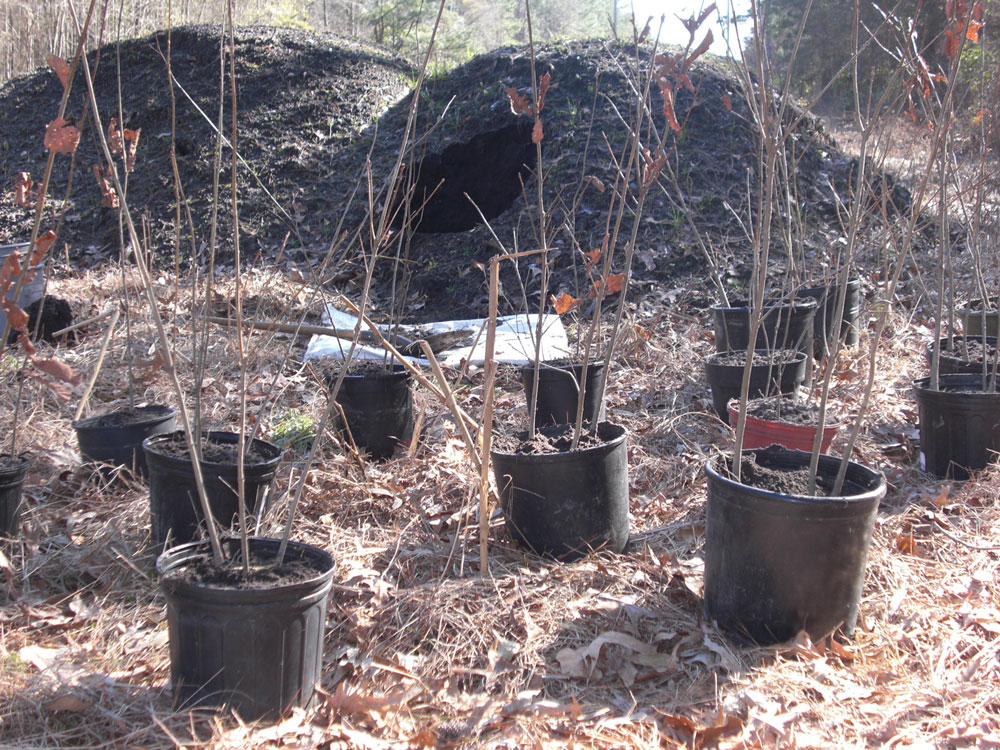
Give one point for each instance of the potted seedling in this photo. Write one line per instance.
(564, 487)
(245, 615)
(958, 402)
(787, 531)
(114, 439)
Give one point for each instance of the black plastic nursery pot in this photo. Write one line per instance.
(786, 326)
(175, 510)
(116, 438)
(378, 407)
(825, 324)
(562, 505)
(257, 650)
(559, 393)
(975, 317)
(13, 469)
(959, 425)
(766, 379)
(964, 354)
(777, 564)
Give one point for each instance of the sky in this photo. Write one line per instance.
(673, 30)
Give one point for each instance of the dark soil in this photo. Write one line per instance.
(125, 417)
(787, 411)
(785, 481)
(777, 357)
(970, 349)
(263, 574)
(550, 439)
(217, 452)
(310, 108)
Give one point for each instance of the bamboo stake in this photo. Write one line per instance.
(100, 361)
(487, 431)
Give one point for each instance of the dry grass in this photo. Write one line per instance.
(423, 650)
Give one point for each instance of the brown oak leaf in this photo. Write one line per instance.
(61, 137)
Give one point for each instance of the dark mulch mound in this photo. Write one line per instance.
(310, 106)
(262, 575)
(303, 99)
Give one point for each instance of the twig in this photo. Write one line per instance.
(448, 397)
(303, 329)
(100, 361)
(944, 530)
(82, 323)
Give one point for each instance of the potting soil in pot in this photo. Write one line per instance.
(783, 480)
(214, 452)
(784, 410)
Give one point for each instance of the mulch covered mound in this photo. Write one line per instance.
(303, 97)
(315, 110)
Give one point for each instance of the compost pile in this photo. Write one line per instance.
(315, 109)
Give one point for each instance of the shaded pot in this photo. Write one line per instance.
(559, 392)
(760, 432)
(959, 425)
(766, 379)
(563, 505)
(257, 650)
(825, 323)
(975, 318)
(776, 563)
(378, 407)
(174, 507)
(13, 469)
(786, 326)
(116, 438)
(959, 359)
(31, 291)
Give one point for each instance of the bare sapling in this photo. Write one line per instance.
(378, 225)
(963, 25)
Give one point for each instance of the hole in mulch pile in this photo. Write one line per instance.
(490, 168)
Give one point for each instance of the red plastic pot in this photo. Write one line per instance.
(760, 433)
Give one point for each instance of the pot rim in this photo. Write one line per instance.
(562, 455)
(966, 381)
(165, 412)
(149, 445)
(168, 561)
(797, 302)
(21, 467)
(800, 357)
(826, 461)
(396, 371)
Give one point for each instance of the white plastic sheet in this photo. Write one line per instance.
(514, 340)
